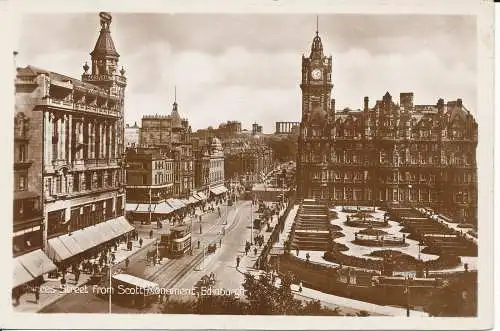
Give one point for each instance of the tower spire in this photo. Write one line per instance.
(317, 25)
(175, 93)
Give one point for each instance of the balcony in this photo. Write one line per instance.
(56, 103)
(24, 164)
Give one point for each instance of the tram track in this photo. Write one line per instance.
(154, 277)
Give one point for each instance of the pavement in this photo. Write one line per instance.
(167, 274)
(51, 290)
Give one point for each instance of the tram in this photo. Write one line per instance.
(176, 243)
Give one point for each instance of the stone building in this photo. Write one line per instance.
(75, 146)
(172, 134)
(132, 133)
(150, 184)
(391, 153)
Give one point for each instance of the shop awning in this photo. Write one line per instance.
(202, 196)
(218, 190)
(163, 208)
(192, 200)
(131, 206)
(21, 275)
(143, 208)
(176, 203)
(66, 246)
(181, 203)
(107, 230)
(37, 263)
(69, 241)
(57, 251)
(185, 201)
(87, 238)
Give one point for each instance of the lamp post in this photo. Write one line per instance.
(110, 290)
(407, 292)
(251, 223)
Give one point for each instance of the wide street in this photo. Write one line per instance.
(182, 272)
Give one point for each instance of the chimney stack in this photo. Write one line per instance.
(459, 103)
(366, 104)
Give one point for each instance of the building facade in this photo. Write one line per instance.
(78, 144)
(150, 175)
(391, 153)
(172, 134)
(132, 134)
(27, 209)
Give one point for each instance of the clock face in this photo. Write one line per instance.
(316, 74)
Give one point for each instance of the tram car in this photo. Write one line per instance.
(176, 243)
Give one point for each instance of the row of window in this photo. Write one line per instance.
(390, 133)
(83, 216)
(81, 181)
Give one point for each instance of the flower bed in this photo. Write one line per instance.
(402, 262)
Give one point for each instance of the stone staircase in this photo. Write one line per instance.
(440, 238)
(310, 230)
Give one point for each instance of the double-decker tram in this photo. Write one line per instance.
(176, 243)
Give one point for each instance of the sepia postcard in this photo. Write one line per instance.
(248, 165)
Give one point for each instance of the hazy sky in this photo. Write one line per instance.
(248, 67)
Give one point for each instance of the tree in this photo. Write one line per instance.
(284, 148)
(457, 297)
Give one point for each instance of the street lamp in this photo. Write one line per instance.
(110, 290)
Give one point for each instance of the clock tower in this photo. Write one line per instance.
(316, 127)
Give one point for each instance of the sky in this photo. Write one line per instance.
(247, 67)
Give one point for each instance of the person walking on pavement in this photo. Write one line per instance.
(37, 294)
(127, 262)
(237, 261)
(151, 234)
(77, 275)
(140, 242)
(255, 251)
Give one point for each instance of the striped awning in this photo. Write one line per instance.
(64, 247)
(192, 200)
(143, 208)
(30, 266)
(218, 190)
(202, 196)
(131, 206)
(21, 275)
(163, 208)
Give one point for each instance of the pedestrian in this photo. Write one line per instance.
(127, 262)
(77, 275)
(37, 294)
(140, 242)
(17, 295)
(63, 282)
(255, 251)
(237, 261)
(220, 242)
(151, 234)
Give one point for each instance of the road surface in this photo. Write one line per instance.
(169, 272)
